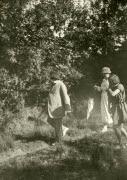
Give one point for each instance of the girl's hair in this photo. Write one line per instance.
(114, 79)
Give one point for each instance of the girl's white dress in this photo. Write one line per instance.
(105, 115)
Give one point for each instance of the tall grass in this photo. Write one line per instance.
(82, 147)
(6, 138)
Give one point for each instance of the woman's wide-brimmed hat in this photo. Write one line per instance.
(55, 74)
(106, 70)
(114, 79)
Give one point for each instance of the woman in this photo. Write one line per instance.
(119, 107)
(105, 115)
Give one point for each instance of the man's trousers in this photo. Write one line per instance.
(56, 123)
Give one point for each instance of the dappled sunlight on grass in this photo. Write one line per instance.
(84, 153)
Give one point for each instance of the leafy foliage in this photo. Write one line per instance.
(36, 37)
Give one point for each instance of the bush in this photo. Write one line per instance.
(80, 108)
(6, 138)
(6, 142)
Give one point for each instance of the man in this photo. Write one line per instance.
(58, 105)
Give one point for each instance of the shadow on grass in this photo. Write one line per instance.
(104, 157)
(36, 137)
(46, 165)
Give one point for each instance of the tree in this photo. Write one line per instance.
(37, 37)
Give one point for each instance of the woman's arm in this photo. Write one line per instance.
(97, 88)
(113, 93)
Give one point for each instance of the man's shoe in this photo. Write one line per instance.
(104, 129)
(65, 131)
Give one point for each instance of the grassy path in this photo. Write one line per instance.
(80, 157)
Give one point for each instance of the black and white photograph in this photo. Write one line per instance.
(63, 89)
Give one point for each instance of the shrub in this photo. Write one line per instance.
(80, 108)
(6, 142)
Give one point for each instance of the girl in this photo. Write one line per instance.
(105, 115)
(119, 107)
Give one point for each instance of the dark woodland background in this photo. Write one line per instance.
(77, 40)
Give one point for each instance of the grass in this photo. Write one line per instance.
(6, 142)
(6, 139)
(84, 154)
